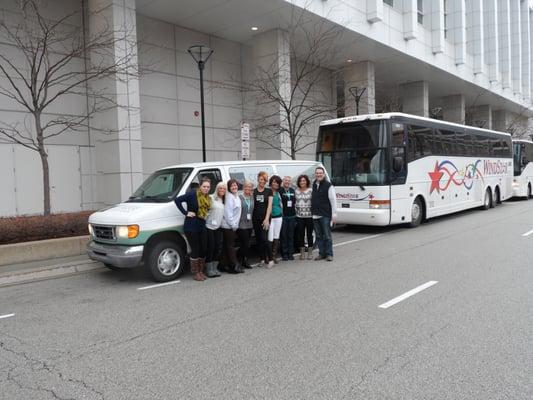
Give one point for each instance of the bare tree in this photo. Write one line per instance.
(287, 95)
(57, 60)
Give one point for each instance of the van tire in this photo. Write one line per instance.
(417, 213)
(166, 261)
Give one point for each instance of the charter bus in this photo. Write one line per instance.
(397, 168)
(523, 168)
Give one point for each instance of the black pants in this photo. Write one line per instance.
(244, 236)
(214, 244)
(304, 225)
(261, 239)
(197, 243)
(230, 254)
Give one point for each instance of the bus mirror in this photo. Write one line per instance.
(523, 161)
(397, 164)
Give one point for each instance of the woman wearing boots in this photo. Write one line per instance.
(304, 218)
(198, 206)
(244, 233)
(230, 224)
(262, 201)
(276, 218)
(214, 233)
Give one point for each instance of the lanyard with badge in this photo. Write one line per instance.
(288, 194)
(248, 203)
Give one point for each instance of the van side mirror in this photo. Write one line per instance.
(397, 164)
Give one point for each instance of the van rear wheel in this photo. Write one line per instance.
(166, 261)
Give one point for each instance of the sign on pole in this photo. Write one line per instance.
(245, 140)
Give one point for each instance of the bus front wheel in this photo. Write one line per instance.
(529, 191)
(417, 213)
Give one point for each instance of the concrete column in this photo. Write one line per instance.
(374, 11)
(457, 27)
(410, 21)
(526, 50)
(269, 60)
(453, 108)
(504, 45)
(415, 98)
(117, 137)
(531, 54)
(516, 47)
(437, 26)
(360, 75)
(480, 116)
(476, 26)
(491, 38)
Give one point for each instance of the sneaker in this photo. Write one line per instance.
(329, 258)
(319, 257)
(270, 264)
(291, 258)
(261, 264)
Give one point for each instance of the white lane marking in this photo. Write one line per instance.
(158, 285)
(7, 316)
(528, 233)
(356, 240)
(410, 293)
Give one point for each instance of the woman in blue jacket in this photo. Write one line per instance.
(198, 205)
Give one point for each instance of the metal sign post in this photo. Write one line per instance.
(245, 140)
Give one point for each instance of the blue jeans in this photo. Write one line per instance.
(288, 227)
(322, 227)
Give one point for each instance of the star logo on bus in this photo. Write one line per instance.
(435, 177)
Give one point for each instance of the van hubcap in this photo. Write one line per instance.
(168, 261)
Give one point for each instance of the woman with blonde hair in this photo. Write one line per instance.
(244, 233)
(214, 232)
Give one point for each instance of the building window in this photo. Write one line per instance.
(389, 2)
(446, 19)
(420, 11)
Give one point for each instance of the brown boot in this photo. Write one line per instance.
(202, 268)
(195, 266)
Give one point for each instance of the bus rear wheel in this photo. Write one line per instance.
(529, 195)
(487, 200)
(417, 213)
(496, 198)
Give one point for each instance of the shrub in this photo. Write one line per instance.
(39, 227)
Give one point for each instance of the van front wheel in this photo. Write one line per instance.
(166, 261)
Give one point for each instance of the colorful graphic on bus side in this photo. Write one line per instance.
(464, 177)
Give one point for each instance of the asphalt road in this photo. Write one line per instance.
(303, 330)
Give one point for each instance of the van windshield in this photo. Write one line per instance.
(162, 186)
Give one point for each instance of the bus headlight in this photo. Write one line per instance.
(91, 231)
(515, 183)
(379, 204)
(127, 232)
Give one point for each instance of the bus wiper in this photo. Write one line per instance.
(361, 187)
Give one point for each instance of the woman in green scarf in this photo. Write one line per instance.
(198, 205)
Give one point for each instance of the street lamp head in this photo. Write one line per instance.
(200, 53)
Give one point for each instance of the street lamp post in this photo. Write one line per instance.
(201, 54)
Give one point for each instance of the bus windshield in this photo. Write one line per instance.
(355, 153)
(517, 158)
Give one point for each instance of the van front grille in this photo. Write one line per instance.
(104, 232)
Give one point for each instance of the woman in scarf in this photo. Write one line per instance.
(198, 205)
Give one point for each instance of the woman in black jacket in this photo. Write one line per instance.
(198, 205)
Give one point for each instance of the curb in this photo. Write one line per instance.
(48, 272)
(42, 250)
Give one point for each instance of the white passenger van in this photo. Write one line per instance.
(523, 168)
(147, 229)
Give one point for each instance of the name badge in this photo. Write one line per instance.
(248, 216)
(289, 203)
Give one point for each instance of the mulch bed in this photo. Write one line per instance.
(39, 227)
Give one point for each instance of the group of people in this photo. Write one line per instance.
(277, 213)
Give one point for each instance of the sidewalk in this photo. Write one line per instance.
(46, 269)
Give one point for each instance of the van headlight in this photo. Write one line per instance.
(127, 232)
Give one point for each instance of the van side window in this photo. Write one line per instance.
(248, 172)
(213, 174)
(296, 170)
